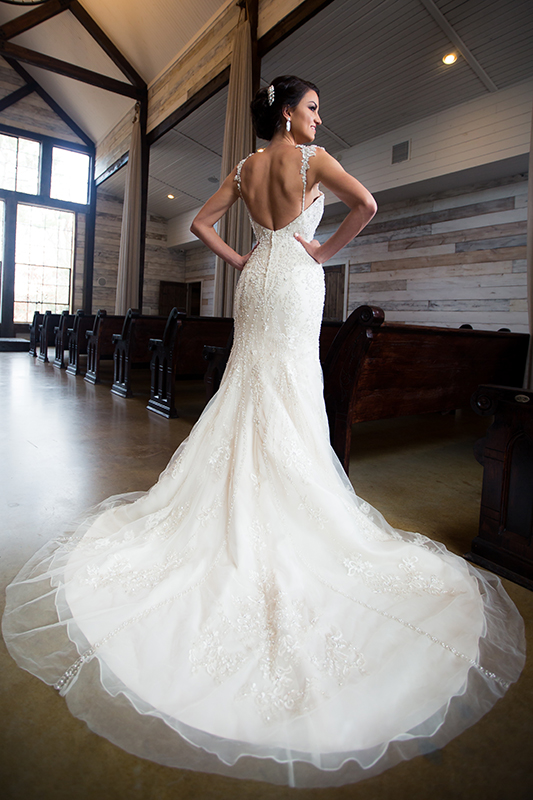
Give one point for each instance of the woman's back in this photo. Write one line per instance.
(272, 185)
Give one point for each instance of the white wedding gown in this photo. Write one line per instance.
(250, 615)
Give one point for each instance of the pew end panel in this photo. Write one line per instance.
(163, 367)
(100, 343)
(35, 328)
(61, 339)
(77, 341)
(132, 350)
(504, 543)
(47, 334)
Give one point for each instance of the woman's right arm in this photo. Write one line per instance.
(203, 225)
(327, 170)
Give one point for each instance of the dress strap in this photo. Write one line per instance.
(237, 177)
(307, 151)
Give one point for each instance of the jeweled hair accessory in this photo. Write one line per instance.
(270, 91)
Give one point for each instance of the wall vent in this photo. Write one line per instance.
(401, 152)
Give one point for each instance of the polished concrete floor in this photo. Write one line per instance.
(65, 445)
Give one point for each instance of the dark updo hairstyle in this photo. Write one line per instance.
(288, 91)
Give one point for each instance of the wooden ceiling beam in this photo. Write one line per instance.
(14, 97)
(43, 94)
(34, 17)
(18, 53)
(299, 16)
(106, 44)
(190, 105)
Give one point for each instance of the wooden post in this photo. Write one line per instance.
(145, 161)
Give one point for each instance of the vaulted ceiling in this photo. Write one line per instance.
(149, 34)
(378, 64)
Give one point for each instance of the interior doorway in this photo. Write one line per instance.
(185, 296)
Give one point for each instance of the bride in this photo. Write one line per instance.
(250, 615)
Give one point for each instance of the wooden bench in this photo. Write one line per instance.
(132, 348)
(180, 355)
(77, 341)
(504, 543)
(163, 367)
(47, 333)
(66, 321)
(35, 328)
(100, 343)
(375, 370)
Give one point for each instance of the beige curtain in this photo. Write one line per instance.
(528, 383)
(130, 235)
(234, 227)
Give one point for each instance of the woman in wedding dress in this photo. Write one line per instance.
(249, 615)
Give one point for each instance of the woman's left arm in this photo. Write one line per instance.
(203, 225)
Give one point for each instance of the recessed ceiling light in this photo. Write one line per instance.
(170, 196)
(449, 58)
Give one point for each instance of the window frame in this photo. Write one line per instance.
(13, 198)
(47, 144)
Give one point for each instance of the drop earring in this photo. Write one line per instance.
(288, 125)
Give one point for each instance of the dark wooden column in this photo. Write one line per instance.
(90, 231)
(145, 162)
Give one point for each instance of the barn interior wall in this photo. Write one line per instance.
(161, 263)
(200, 266)
(447, 259)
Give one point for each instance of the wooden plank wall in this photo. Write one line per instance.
(160, 262)
(451, 258)
(490, 128)
(200, 266)
(79, 263)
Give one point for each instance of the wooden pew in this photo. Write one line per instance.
(47, 334)
(35, 328)
(183, 357)
(217, 358)
(375, 370)
(77, 340)
(66, 321)
(328, 332)
(100, 342)
(163, 367)
(132, 348)
(504, 543)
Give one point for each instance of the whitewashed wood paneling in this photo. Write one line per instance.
(200, 266)
(490, 128)
(478, 276)
(160, 262)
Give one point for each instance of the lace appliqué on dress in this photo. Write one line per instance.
(412, 582)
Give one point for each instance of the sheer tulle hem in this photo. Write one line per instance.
(112, 710)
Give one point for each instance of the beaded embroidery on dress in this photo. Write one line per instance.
(250, 615)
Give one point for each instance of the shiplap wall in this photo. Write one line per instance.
(200, 266)
(451, 258)
(79, 263)
(491, 128)
(160, 262)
